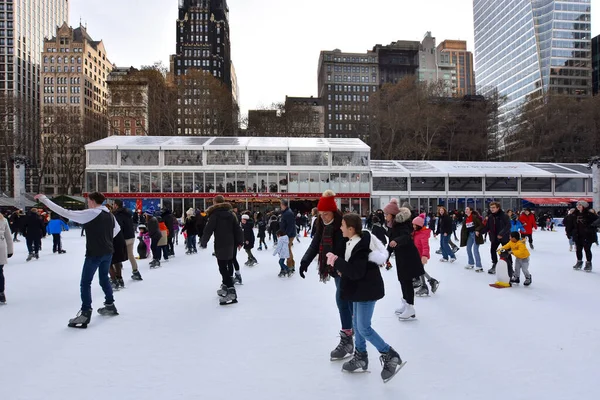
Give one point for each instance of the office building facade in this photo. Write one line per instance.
(455, 52)
(596, 65)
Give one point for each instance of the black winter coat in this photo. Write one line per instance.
(262, 229)
(361, 278)
(33, 226)
(190, 226)
(445, 225)
(119, 248)
(169, 221)
(226, 229)
(153, 229)
(248, 229)
(498, 224)
(274, 227)
(288, 223)
(583, 228)
(408, 260)
(569, 223)
(379, 232)
(125, 219)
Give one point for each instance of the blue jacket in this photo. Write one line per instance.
(56, 226)
(516, 226)
(288, 223)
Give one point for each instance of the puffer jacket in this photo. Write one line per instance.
(518, 248)
(421, 238)
(528, 222)
(408, 260)
(223, 223)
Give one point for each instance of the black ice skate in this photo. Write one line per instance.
(416, 283)
(492, 270)
(531, 245)
(237, 279)
(439, 251)
(527, 281)
(108, 309)
(578, 265)
(61, 252)
(290, 272)
(392, 363)
(422, 291)
(434, 283)
(37, 255)
(259, 249)
(344, 349)
(136, 276)
(2, 298)
(282, 274)
(82, 319)
(358, 363)
(455, 249)
(121, 283)
(515, 280)
(114, 284)
(588, 266)
(230, 298)
(29, 257)
(222, 292)
(154, 264)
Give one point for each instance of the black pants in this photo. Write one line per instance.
(56, 244)
(530, 236)
(15, 233)
(408, 292)
(261, 241)
(233, 263)
(580, 246)
(171, 244)
(33, 245)
(250, 255)
(226, 278)
(155, 249)
(1, 278)
(493, 249)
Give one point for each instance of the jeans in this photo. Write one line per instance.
(33, 245)
(226, 278)
(473, 247)
(363, 312)
(191, 243)
(446, 250)
(129, 243)
(56, 244)
(283, 265)
(90, 265)
(344, 307)
(1, 278)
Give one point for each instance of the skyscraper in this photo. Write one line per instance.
(528, 48)
(596, 65)
(455, 52)
(23, 27)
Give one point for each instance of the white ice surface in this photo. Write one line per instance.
(173, 341)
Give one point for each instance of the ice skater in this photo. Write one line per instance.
(100, 227)
(584, 234)
(262, 233)
(518, 248)
(362, 285)
(248, 228)
(282, 250)
(421, 235)
(55, 228)
(6, 252)
(529, 224)
(471, 237)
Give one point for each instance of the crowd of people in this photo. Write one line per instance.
(346, 252)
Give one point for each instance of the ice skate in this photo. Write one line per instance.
(479, 269)
(344, 348)
(469, 267)
(391, 363)
(81, 320)
(247, 262)
(108, 309)
(455, 249)
(121, 283)
(452, 260)
(531, 245)
(527, 281)
(114, 284)
(266, 248)
(282, 274)
(416, 283)
(444, 260)
(439, 251)
(492, 271)
(578, 265)
(154, 264)
(434, 283)
(2, 298)
(358, 363)
(259, 249)
(222, 292)
(588, 266)
(29, 257)
(291, 271)
(515, 280)
(136, 276)
(61, 251)
(37, 255)
(237, 279)
(400, 310)
(230, 298)
(422, 291)
(408, 314)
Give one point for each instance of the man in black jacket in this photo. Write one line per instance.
(169, 221)
(288, 225)
(125, 219)
(223, 223)
(33, 229)
(498, 229)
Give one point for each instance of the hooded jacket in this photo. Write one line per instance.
(248, 228)
(56, 226)
(226, 229)
(408, 260)
(421, 238)
(125, 219)
(361, 276)
(528, 222)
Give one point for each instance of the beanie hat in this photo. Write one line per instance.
(420, 220)
(583, 203)
(190, 212)
(245, 217)
(327, 202)
(392, 207)
(150, 210)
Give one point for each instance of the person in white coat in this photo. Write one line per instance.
(6, 252)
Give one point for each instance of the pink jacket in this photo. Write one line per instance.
(421, 238)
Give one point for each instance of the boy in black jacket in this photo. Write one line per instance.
(247, 227)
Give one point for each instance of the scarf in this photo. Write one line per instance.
(326, 245)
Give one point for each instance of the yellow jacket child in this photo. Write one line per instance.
(518, 248)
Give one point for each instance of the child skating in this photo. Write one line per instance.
(247, 227)
(283, 251)
(262, 234)
(421, 236)
(518, 248)
(55, 228)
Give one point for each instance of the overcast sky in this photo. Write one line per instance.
(275, 44)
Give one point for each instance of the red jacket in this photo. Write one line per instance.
(421, 238)
(528, 222)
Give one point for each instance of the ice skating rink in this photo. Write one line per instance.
(173, 341)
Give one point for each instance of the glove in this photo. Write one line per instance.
(303, 269)
(9, 255)
(331, 258)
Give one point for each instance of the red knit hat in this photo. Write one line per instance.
(327, 202)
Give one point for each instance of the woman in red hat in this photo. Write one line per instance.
(328, 238)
